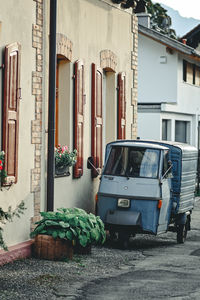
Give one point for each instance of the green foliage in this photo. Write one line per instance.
(63, 157)
(160, 20)
(7, 216)
(73, 224)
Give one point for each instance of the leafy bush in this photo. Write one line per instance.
(73, 224)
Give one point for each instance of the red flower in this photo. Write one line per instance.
(1, 162)
(1, 168)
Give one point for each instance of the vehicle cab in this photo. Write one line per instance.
(135, 187)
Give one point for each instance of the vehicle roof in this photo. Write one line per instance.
(129, 143)
(156, 144)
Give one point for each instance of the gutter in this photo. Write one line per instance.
(51, 109)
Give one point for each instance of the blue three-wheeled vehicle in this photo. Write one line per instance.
(147, 187)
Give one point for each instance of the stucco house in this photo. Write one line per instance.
(168, 86)
(96, 101)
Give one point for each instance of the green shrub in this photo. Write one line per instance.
(73, 224)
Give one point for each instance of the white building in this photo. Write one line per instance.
(168, 87)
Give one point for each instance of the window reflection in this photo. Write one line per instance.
(133, 162)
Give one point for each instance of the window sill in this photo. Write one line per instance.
(62, 175)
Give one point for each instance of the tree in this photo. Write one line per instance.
(160, 20)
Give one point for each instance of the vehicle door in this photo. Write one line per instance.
(165, 186)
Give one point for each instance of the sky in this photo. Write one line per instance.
(186, 8)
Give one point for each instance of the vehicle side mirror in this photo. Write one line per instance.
(90, 163)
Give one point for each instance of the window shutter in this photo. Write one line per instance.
(121, 130)
(12, 94)
(79, 117)
(97, 120)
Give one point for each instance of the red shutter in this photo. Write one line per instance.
(97, 120)
(12, 94)
(121, 130)
(79, 117)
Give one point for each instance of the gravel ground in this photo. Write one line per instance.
(43, 279)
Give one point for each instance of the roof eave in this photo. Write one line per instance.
(169, 42)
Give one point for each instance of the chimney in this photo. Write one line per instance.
(144, 19)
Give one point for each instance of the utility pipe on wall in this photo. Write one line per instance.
(51, 111)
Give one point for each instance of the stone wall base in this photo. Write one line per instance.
(19, 251)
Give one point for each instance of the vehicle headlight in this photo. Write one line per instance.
(125, 203)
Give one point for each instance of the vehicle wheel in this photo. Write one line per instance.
(181, 233)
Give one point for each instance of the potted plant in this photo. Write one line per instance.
(64, 159)
(68, 226)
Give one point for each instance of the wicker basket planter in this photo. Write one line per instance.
(46, 247)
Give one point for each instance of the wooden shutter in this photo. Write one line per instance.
(189, 73)
(12, 94)
(79, 116)
(121, 130)
(96, 118)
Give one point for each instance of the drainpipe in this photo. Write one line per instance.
(51, 112)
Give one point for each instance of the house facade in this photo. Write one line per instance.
(95, 83)
(169, 87)
(96, 101)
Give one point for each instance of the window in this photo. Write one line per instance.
(12, 94)
(197, 76)
(191, 73)
(165, 162)
(63, 109)
(109, 108)
(184, 70)
(133, 162)
(166, 129)
(181, 131)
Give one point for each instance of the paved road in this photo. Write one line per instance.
(166, 271)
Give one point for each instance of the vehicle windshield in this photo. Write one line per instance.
(133, 162)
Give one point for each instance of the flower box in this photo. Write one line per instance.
(63, 160)
(62, 170)
(46, 247)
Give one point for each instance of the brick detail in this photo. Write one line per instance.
(63, 46)
(134, 67)
(108, 60)
(36, 124)
(134, 104)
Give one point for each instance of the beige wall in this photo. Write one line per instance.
(17, 27)
(93, 26)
